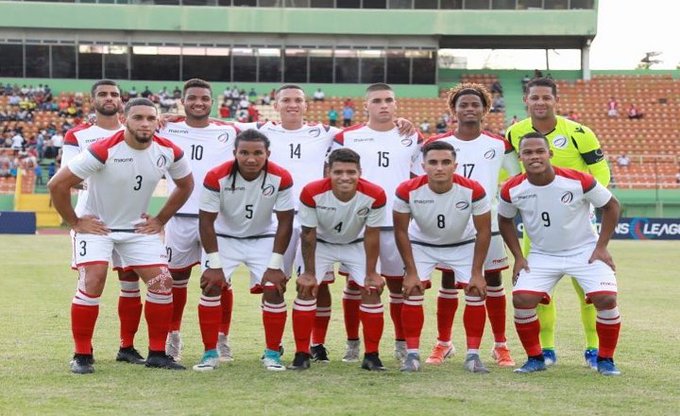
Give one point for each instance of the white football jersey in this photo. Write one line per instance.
(338, 222)
(386, 157)
(75, 141)
(205, 148)
(245, 207)
(441, 219)
(556, 216)
(481, 159)
(121, 179)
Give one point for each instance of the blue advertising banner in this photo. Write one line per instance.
(638, 228)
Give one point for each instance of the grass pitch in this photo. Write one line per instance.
(35, 347)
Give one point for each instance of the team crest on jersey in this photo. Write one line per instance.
(490, 154)
(406, 142)
(161, 161)
(462, 205)
(268, 190)
(363, 212)
(223, 138)
(314, 132)
(567, 197)
(560, 142)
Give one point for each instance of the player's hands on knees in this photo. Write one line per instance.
(520, 264)
(275, 278)
(412, 286)
(374, 283)
(89, 224)
(405, 127)
(148, 225)
(212, 280)
(602, 254)
(476, 286)
(307, 286)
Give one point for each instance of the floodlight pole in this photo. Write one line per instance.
(585, 61)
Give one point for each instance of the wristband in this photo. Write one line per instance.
(214, 261)
(276, 261)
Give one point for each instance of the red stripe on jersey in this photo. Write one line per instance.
(100, 148)
(511, 183)
(70, 137)
(374, 191)
(405, 188)
(340, 137)
(212, 178)
(176, 151)
(421, 138)
(587, 181)
(477, 189)
(439, 137)
(506, 144)
(286, 179)
(313, 189)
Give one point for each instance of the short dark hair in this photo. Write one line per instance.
(288, 87)
(534, 135)
(344, 155)
(137, 102)
(251, 135)
(378, 86)
(196, 83)
(542, 82)
(438, 145)
(102, 82)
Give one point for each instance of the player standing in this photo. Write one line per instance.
(442, 218)
(206, 144)
(480, 156)
(122, 172)
(105, 96)
(341, 218)
(236, 205)
(386, 160)
(554, 204)
(574, 146)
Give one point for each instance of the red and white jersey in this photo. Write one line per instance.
(556, 216)
(205, 148)
(245, 207)
(121, 179)
(75, 141)
(386, 157)
(301, 152)
(339, 222)
(441, 219)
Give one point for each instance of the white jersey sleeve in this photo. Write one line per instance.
(85, 165)
(598, 195)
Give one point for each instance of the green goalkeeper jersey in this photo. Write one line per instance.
(574, 146)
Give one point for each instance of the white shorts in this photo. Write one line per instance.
(292, 259)
(135, 250)
(183, 243)
(496, 258)
(457, 259)
(116, 262)
(351, 256)
(546, 271)
(254, 253)
(391, 265)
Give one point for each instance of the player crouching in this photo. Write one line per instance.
(432, 225)
(340, 218)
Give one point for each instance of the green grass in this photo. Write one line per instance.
(35, 347)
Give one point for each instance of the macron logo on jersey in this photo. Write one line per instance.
(325, 208)
(123, 160)
(178, 131)
(423, 201)
(527, 196)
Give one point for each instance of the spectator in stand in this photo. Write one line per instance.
(623, 161)
(441, 126)
(57, 142)
(496, 88)
(147, 92)
(38, 174)
(347, 114)
(133, 92)
(252, 95)
(319, 95)
(634, 113)
(573, 116)
(513, 120)
(51, 170)
(17, 142)
(176, 93)
(243, 103)
(253, 113)
(498, 104)
(425, 127)
(538, 73)
(224, 111)
(332, 117)
(612, 107)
